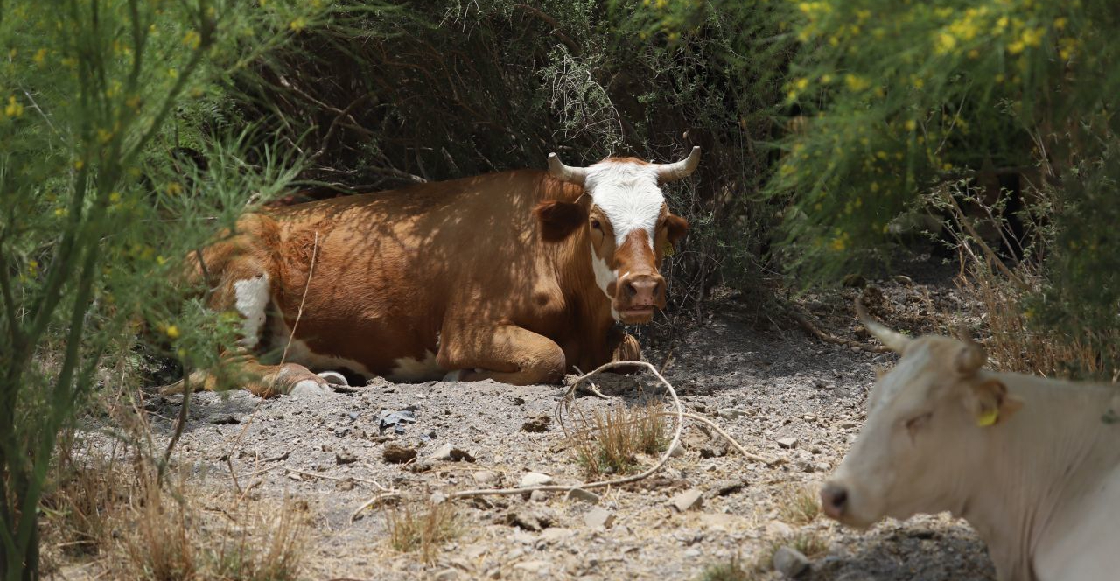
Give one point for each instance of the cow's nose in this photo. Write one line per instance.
(644, 291)
(834, 500)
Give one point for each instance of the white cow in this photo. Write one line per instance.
(1031, 463)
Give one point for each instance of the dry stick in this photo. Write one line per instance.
(558, 488)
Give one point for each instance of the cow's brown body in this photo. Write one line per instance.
(451, 277)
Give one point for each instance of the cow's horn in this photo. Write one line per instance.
(971, 357)
(894, 341)
(568, 173)
(674, 171)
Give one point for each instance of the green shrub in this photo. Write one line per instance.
(97, 211)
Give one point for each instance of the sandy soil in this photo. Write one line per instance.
(759, 384)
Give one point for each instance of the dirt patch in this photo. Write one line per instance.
(783, 395)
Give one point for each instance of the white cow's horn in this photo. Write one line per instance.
(894, 341)
(567, 173)
(674, 171)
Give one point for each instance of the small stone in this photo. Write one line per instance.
(343, 457)
(778, 528)
(584, 495)
(538, 496)
(599, 517)
(484, 477)
(725, 487)
(714, 449)
(537, 424)
(731, 413)
(790, 562)
(787, 442)
(449, 453)
(446, 575)
(534, 479)
(397, 454)
(688, 500)
(848, 425)
(437, 498)
(677, 451)
(691, 553)
(532, 566)
(530, 518)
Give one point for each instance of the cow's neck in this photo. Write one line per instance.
(1035, 465)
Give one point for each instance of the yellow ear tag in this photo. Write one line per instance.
(988, 418)
(668, 250)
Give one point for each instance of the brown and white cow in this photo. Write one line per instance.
(1029, 462)
(517, 277)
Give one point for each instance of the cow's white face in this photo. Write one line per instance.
(924, 435)
(630, 229)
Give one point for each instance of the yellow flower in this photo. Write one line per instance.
(173, 73)
(298, 24)
(911, 125)
(114, 197)
(1060, 23)
(191, 39)
(999, 77)
(14, 109)
(174, 188)
(1016, 47)
(826, 78)
(40, 56)
(855, 82)
(160, 260)
(801, 83)
(945, 42)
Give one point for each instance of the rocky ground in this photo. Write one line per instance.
(782, 394)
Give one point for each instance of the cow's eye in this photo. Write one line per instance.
(918, 421)
(595, 224)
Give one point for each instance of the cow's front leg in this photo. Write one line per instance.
(505, 353)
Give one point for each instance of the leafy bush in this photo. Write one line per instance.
(98, 211)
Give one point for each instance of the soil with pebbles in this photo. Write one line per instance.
(762, 385)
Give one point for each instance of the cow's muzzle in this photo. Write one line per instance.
(639, 295)
(834, 501)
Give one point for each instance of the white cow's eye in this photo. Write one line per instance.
(918, 421)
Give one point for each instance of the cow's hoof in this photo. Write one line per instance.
(334, 378)
(309, 388)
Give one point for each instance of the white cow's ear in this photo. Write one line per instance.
(990, 403)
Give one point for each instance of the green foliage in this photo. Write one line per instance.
(96, 213)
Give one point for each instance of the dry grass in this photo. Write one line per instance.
(810, 544)
(733, 570)
(166, 536)
(424, 530)
(84, 492)
(610, 441)
(798, 505)
(101, 506)
(1014, 345)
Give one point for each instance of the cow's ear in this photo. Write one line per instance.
(991, 404)
(559, 219)
(677, 228)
